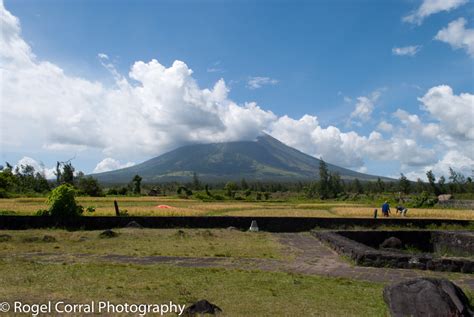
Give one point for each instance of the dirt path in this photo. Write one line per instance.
(309, 256)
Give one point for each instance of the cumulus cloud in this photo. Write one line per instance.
(110, 164)
(38, 166)
(162, 109)
(406, 50)
(413, 124)
(156, 108)
(259, 82)
(454, 159)
(385, 126)
(429, 7)
(365, 106)
(458, 36)
(454, 112)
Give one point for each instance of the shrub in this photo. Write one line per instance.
(422, 200)
(63, 204)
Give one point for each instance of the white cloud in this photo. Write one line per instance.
(258, 82)
(458, 36)
(413, 124)
(454, 159)
(156, 108)
(38, 166)
(110, 164)
(164, 109)
(455, 112)
(406, 50)
(385, 126)
(215, 68)
(365, 106)
(429, 7)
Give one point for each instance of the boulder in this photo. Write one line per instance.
(445, 198)
(392, 243)
(108, 234)
(201, 307)
(426, 297)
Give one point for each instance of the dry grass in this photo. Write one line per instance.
(368, 212)
(147, 206)
(281, 213)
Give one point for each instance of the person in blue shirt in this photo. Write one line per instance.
(386, 209)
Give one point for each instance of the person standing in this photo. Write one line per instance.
(386, 209)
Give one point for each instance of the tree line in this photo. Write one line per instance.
(25, 180)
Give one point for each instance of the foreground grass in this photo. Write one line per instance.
(148, 206)
(146, 242)
(238, 293)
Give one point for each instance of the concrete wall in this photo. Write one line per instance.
(272, 224)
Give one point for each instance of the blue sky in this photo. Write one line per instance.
(323, 59)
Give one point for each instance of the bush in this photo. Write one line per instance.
(422, 200)
(63, 204)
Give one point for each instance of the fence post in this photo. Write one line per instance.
(117, 211)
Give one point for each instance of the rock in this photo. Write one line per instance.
(5, 237)
(48, 238)
(108, 234)
(231, 228)
(391, 243)
(134, 224)
(445, 198)
(201, 307)
(426, 297)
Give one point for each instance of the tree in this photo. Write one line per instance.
(404, 184)
(7, 181)
(441, 185)
(89, 186)
(243, 184)
(357, 187)
(230, 189)
(456, 181)
(136, 183)
(196, 182)
(420, 186)
(432, 181)
(184, 192)
(324, 184)
(335, 184)
(67, 176)
(380, 185)
(41, 183)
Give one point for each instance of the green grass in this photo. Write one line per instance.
(238, 293)
(147, 242)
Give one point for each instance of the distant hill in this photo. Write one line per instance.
(265, 159)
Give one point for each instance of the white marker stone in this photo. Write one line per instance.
(253, 226)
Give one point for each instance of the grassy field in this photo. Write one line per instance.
(238, 293)
(32, 272)
(146, 242)
(148, 206)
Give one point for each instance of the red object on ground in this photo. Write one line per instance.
(163, 206)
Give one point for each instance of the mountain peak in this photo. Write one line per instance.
(266, 159)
